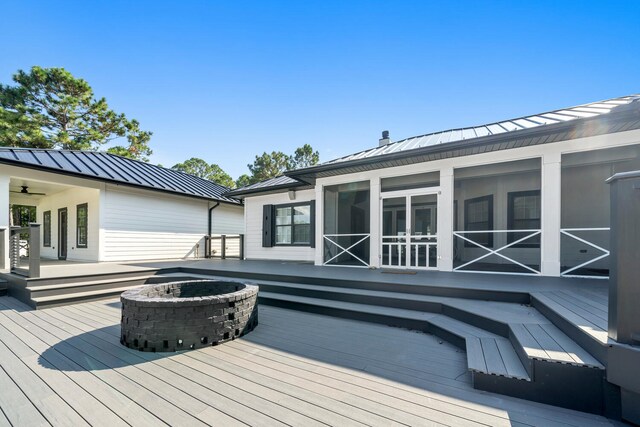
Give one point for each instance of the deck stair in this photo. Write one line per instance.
(49, 292)
(511, 348)
(582, 315)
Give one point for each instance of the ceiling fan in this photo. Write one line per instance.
(25, 192)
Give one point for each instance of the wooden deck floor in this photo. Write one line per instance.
(65, 366)
(587, 308)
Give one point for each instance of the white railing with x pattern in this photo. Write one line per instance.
(529, 233)
(604, 253)
(332, 240)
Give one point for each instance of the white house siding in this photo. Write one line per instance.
(143, 225)
(70, 199)
(253, 224)
(227, 219)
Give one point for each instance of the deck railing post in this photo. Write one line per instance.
(14, 248)
(624, 316)
(207, 246)
(3, 248)
(241, 256)
(34, 250)
(223, 246)
(623, 355)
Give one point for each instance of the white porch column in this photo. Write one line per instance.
(4, 217)
(319, 225)
(374, 222)
(551, 201)
(445, 220)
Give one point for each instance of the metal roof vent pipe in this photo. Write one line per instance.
(385, 138)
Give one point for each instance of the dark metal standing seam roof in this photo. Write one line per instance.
(117, 169)
(593, 109)
(596, 118)
(623, 114)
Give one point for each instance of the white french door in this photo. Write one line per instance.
(409, 234)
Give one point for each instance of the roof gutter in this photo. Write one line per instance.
(275, 188)
(207, 251)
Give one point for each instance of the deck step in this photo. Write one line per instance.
(46, 287)
(84, 275)
(47, 290)
(547, 342)
(487, 353)
(499, 318)
(77, 297)
(484, 354)
(366, 280)
(586, 334)
(3, 287)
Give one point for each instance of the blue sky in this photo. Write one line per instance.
(225, 81)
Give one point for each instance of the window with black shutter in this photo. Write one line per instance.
(289, 225)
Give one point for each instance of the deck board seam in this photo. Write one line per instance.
(545, 299)
(600, 314)
(108, 384)
(28, 399)
(601, 307)
(70, 361)
(155, 376)
(114, 335)
(248, 392)
(128, 379)
(578, 311)
(43, 381)
(109, 316)
(416, 415)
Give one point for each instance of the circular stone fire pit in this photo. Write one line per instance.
(187, 314)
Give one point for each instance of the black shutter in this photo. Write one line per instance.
(312, 228)
(267, 226)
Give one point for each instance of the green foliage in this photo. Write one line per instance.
(202, 169)
(243, 180)
(304, 157)
(50, 108)
(268, 166)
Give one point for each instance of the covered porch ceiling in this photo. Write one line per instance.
(25, 190)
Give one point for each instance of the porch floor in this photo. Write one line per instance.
(65, 366)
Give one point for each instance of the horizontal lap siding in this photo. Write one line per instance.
(227, 219)
(139, 225)
(253, 224)
(70, 199)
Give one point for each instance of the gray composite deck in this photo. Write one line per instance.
(587, 308)
(65, 366)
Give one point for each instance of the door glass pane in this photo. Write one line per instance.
(394, 225)
(424, 222)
